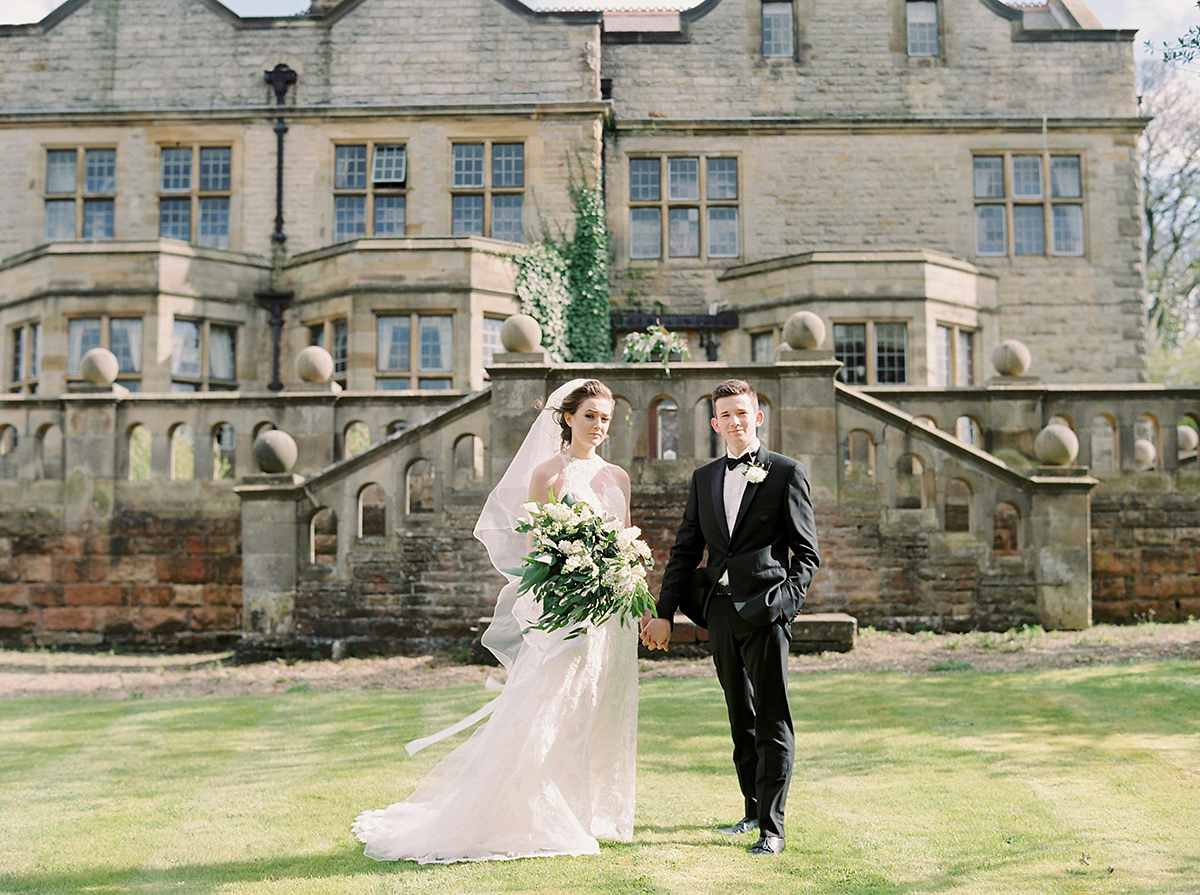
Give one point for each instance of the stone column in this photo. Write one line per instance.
(1060, 538)
(272, 541)
(808, 416)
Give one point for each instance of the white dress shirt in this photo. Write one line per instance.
(735, 488)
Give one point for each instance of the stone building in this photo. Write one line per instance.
(205, 195)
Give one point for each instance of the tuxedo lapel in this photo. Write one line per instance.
(751, 490)
(718, 498)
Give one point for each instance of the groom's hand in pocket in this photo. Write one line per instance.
(656, 633)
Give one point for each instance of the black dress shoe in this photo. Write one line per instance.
(767, 845)
(745, 825)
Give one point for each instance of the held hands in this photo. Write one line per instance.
(656, 633)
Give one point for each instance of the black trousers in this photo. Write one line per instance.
(751, 663)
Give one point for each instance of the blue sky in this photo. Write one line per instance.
(1158, 20)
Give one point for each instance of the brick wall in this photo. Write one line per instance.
(1146, 551)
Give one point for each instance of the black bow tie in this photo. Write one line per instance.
(732, 463)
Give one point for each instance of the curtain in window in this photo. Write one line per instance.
(125, 341)
(221, 363)
(185, 354)
(82, 336)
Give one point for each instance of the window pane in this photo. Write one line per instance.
(175, 219)
(1066, 181)
(60, 219)
(125, 341)
(316, 335)
(762, 347)
(18, 354)
(216, 166)
(466, 215)
(850, 347)
(468, 165)
(176, 170)
(965, 358)
(683, 178)
(722, 232)
(222, 352)
(350, 217)
(891, 353)
(392, 343)
(508, 164)
(98, 219)
(99, 170)
(645, 233)
(989, 177)
(390, 166)
(60, 172)
(185, 353)
(491, 338)
(83, 334)
(722, 178)
(350, 168)
(644, 176)
(389, 215)
(436, 349)
(35, 351)
(507, 217)
(434, 383)
(1027, 176)
(683, 236)
(943, 347)
(1068, 229)
(214, 223)
(340, 350)
(922, 27)
(991, 236)
(1029, 230)
(777, 30)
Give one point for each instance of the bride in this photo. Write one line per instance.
(552, 770)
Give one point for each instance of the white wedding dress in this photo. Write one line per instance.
(552, 770)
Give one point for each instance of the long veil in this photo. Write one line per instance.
(497, 525)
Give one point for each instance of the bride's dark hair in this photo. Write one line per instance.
(589, 388)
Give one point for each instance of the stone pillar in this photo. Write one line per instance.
(808, 416)
(1060, 535)
(90, 459)
(272, 541)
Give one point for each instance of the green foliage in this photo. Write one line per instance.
(563, 284)
(543, 288)
(656, 343)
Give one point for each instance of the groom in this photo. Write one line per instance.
(751, 509)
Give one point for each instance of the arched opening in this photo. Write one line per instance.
(1006, 530)
(1106, 456)
(664, 428)
(49, 459)
(1061, 419)
(859, 458)
(418, 487)
(1147, 448)
(927, 421)
(323, 536)
(395, 427)
(764, 429)
(1187, 434)
(139, 453)
(9, 439)
(260, 428)
(957, 506)
(910, 491)
(708, 442)
(183, 453)
(468, 462)
(357, 438)
(224, 451)
(372, 511)
(967, 430)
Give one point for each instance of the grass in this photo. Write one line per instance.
(960, 783)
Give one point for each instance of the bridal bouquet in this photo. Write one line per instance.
(583, 568)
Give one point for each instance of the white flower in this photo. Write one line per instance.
(754, 473)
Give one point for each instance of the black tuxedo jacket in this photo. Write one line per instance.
(770, 555)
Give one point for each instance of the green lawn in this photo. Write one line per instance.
(961, 782)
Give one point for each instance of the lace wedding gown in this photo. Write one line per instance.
(552, 770)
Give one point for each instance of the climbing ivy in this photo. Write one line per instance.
(542, 287)
(563, 284)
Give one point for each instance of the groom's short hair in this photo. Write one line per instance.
(731, 387)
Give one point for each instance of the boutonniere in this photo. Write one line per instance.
(754, 473)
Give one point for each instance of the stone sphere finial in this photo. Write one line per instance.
(1188, 438)
(275, 452)
(1011, 358)
(314, 364)
(1144, 453)
(521, 334)
(804, 331)
(99, 366)
(1056, 445)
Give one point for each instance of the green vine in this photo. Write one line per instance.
(564, 284)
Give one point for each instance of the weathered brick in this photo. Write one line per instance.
(69, 618)
(164, 621)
